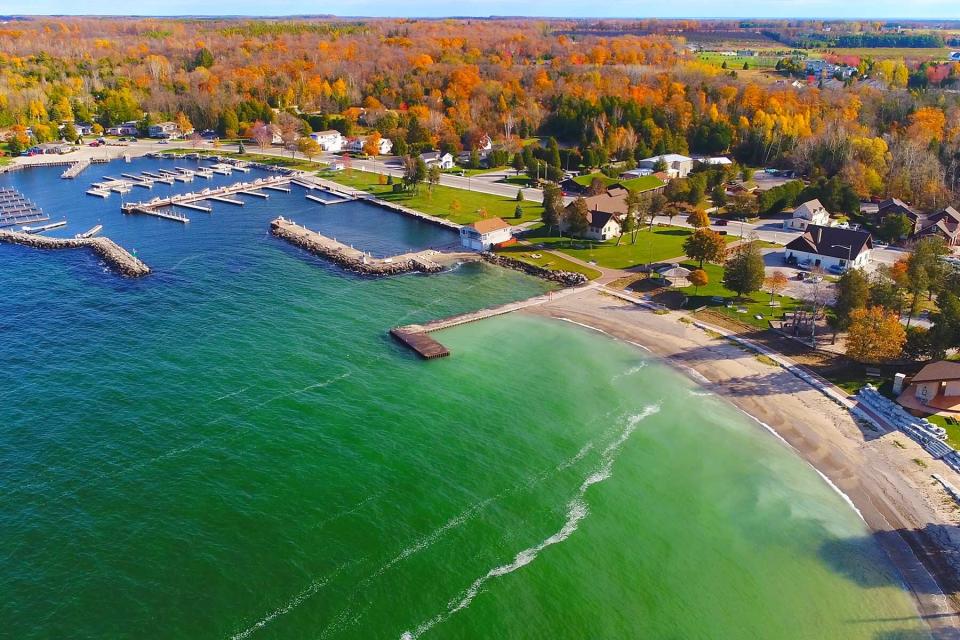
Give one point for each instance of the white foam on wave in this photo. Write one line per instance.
(230, 395)
(631, 371)
(290, 605)
(700, 394)
(577, 510)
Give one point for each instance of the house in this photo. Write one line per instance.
(329, 140)
(85, 129)
(356, 145)
(47, 148)
(810, 212)
(934, 389)
(604, 213)
(678, 166)
(635, 173)
(893, 206)
(483, 234)
(443, 160)
(830, 248)
(946, 224)
(164, 130)
(129, 128)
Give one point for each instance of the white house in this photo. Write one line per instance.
(164, 130)
(329, 140)
(355, 145)
(444, 160)
(483, 234)
(810, 212)
(678, 166)
(830, 247)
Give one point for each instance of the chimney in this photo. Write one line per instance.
(819, 234)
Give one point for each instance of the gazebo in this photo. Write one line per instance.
(675, 274)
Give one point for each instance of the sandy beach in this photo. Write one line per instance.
(909, 513)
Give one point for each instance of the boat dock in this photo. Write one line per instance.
(277, 188)
(322, 201)
(118, 258)
(239, 203)
(45, 227)
(17, 209)
(191, 200)
(422, 343)
(89, 234)
(75, 169)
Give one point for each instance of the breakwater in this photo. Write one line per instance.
(354, 259)
(566, 278)
(118, 258)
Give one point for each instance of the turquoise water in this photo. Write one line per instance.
(234, 448)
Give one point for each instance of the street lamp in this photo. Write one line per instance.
(849, 249)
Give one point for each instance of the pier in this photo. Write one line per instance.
(239, 203)
(75, 169)
(118, 258)
(326, 202)
(277, 188)
(188, 200)
(258, 194)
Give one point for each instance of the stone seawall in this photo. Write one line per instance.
(348, 257)
(118, 258)
(566, 278)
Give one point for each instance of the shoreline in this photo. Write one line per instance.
(912, 519)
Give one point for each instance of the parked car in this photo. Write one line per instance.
(94, 144)
(720, 222)
(837, 269)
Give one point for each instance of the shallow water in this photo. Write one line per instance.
(233, 447)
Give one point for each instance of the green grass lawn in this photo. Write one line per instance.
(643, 183)
(658, 245)
(438, 203)
(953, 430)
(736, 62)
(472, 172)
(521, 180)
(745, 310)
(552, 261)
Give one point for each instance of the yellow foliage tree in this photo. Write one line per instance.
(875, 335)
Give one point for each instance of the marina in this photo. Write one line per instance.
(189, 200)
(16, 209)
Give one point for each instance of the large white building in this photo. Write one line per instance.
(810, 212)
(830, 247)
(329, 140)
(483, 234)
(678, 166)
(444, 160)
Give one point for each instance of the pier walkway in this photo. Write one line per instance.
(416, 336)
(76, 168)
(191, 200)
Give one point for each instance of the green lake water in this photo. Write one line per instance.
(234, 447)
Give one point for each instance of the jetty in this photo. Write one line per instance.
(189, 200)
(118, 258)
(75, 169)
(426, 261)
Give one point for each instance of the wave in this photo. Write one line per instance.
(577, 510)
(230, 395)
(629, 372)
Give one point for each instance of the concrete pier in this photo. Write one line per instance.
(118, 258)
(186, 199)
(327, 202)
(239, 203)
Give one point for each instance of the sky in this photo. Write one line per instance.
(915, 9)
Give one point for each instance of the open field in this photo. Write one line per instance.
(643, 183)
(743, 310)
(663, 243)
(737, 62)
(457, 205)
(547, 260)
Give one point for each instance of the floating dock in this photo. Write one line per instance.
(75, 169)
(16, 209)
(322, 201)
(100, 193)
(277, 188)
(45, 227)
(90, 233)
(187, 199)
(239, 203)
(195, 207)
(258, 194)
